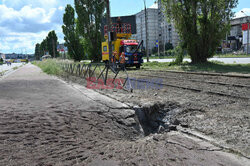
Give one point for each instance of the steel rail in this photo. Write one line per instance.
(200, 73)
(197, 90)
(195, 80)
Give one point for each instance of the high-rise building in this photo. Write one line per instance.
(167, 31)
(152, 26)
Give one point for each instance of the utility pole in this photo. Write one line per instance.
(247, 35)
(109, 40)
(158, 50)
(109, 29)
(164, 37)
(146, 27)
(247, 31)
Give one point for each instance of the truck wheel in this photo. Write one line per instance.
(138, 66)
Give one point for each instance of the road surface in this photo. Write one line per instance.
(224, 60)
(6, 68)
(45, 121)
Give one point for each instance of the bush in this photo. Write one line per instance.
(168, 46)
(49, 66)
(179, 53)
(170, 52)
(155, 50)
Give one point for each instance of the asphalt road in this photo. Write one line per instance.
(224, 60)
(6, 68)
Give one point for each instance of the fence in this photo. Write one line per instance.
(98, 71)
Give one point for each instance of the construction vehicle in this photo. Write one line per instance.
(121, 42)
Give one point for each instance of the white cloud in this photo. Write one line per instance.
(61, 8)
(240, 14)
(18, 4)
(23, 23)
(26, 15)
(20, 42)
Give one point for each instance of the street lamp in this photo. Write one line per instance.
(163, 32)
(247, 31)
(146, 27)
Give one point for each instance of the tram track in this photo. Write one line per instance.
(195, 80)
(197, 90)
(140, 77)
(201, 73)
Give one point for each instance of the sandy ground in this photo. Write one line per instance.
(45, 121)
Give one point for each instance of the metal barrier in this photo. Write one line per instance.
(90, 70)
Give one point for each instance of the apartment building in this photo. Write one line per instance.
(167, 32)
(152, 26)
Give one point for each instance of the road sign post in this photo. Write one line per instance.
(158, 47)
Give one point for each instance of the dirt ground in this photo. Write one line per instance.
(45, 121)
(226, 119)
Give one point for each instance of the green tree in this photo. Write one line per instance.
(71, 36)
(43, 47)
(37, 52)
(168, 46)
(90, 14)
(201, 24)
(52, 42)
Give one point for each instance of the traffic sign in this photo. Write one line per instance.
(157, 43)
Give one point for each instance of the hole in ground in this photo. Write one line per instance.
(158, 117)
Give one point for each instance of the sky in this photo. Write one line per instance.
(23, 23)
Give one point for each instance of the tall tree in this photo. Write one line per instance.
(52, 42)
(37, 52)
(90, 14)
(201, 24)
(43, 47)
(71, 36)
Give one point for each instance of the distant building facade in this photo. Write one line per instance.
(236, 39)
(167, 31)
(17, 56)
(2, 56)
(152, 27)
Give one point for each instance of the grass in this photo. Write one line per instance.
(15, 68)
(213, 66)
(2, 72)
(49, 66)
(52, 67)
